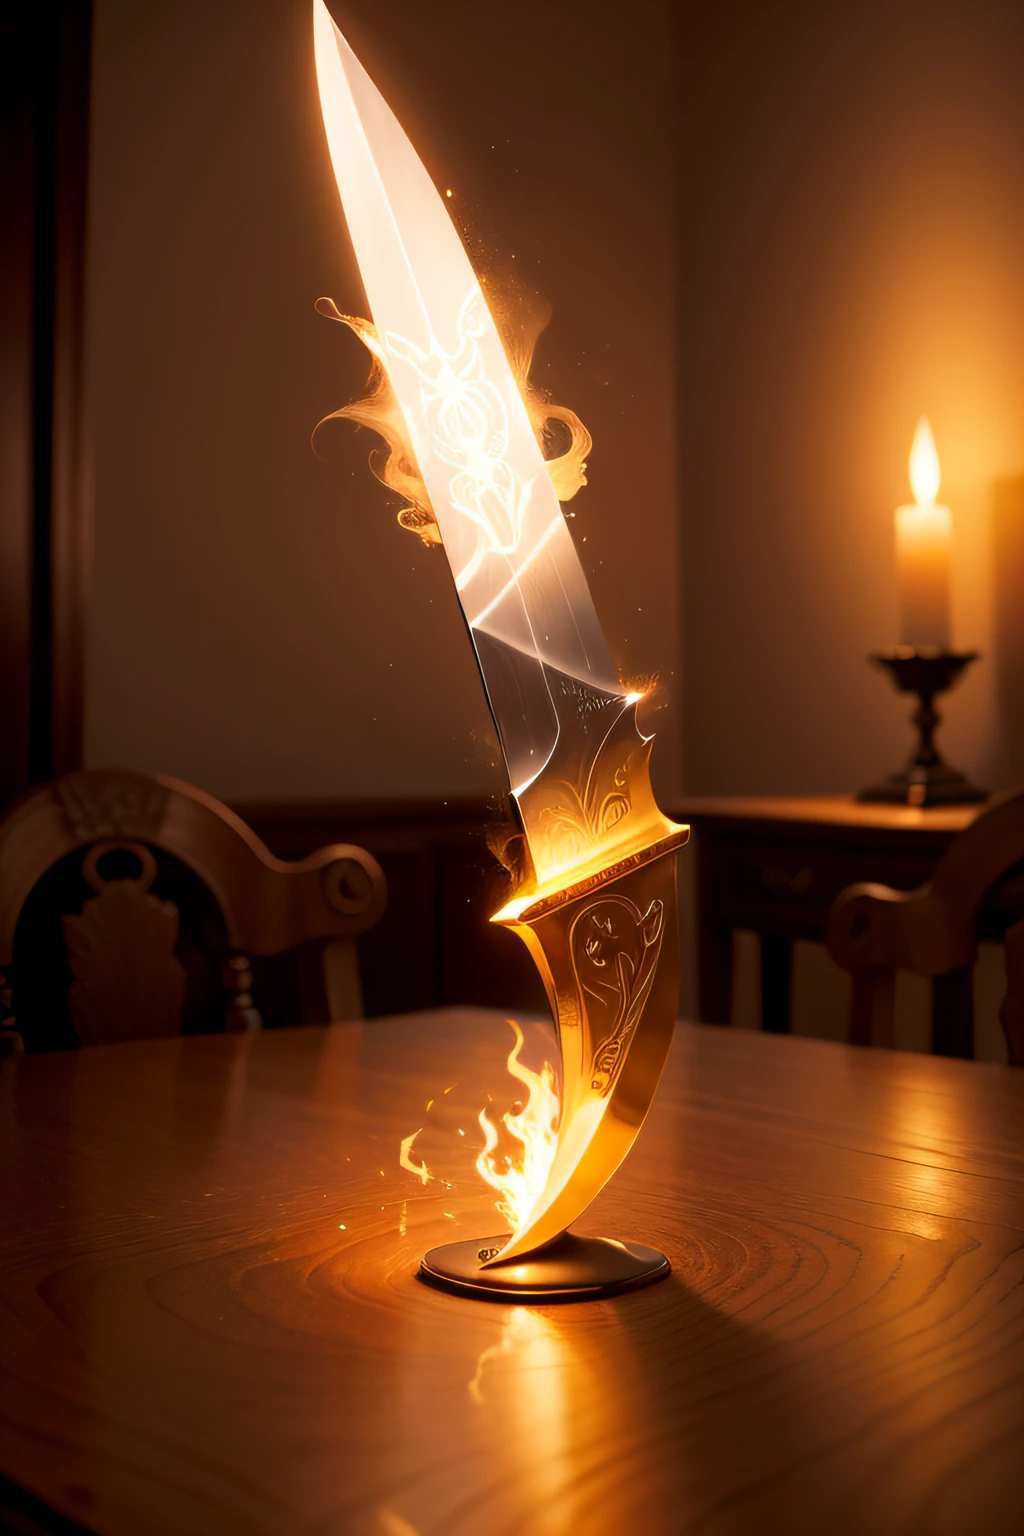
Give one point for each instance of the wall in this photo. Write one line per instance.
(847, 253)
(850, 243)
(851, 254)
(260, 625)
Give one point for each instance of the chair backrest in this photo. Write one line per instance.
(874, 931)
(135, 905)
(1011, 1014)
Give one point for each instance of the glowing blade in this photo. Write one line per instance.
(517, 573)
(597, 910)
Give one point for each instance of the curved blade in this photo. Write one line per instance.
(599, 916)
(518, 577)
(609, 957)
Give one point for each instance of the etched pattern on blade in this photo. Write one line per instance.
(610, 963)
(468, 428)
(615, 948)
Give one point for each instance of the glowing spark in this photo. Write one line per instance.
(420, 1169)
(342, 1227)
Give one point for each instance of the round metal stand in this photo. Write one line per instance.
(927, 779)
(569, 1269)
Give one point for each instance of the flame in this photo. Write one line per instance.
(419, 1169)
(925, 475)
(520, 326)
(520, 1169)
(520, 1177)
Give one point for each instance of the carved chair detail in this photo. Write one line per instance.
(120, 890)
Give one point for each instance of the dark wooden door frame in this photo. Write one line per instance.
(45, 490)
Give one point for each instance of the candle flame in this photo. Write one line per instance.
(520, 1174)
(925, 475)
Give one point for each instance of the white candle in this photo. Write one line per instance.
(923, 537)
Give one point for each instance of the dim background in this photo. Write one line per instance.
(772, 235)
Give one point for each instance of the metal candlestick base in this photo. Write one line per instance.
(569, 1269)
(927, 780)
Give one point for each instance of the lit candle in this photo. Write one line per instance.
(923, 535)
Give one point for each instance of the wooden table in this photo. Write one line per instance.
(776, 864)
(210, 1321)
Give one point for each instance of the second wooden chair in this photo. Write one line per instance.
(875, 931)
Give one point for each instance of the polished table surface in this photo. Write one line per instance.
(211, 1322)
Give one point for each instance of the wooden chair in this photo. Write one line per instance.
(133, 906)
(1011, 1014)
(874, 931)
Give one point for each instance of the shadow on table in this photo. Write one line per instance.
(718, 1409)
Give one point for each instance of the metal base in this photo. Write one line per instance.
(569, 1269)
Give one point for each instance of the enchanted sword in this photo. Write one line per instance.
(597, 907)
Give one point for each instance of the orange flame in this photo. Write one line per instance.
(520, 1177)
(419, 1169)
(395, 465)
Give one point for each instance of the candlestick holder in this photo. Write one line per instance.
(927, 779)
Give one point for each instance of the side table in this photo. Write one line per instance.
(776, 864)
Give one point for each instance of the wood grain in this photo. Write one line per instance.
(211, 1321)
